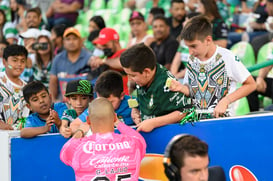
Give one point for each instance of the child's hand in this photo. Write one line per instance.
(221, 108)
(66, 132)
(48, 125)
(5, 126)
(53, 115)
(116, 121)
(146, 125)
(135, 114)
(175, 86)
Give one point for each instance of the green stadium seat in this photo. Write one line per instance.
(245, 52)
(124, 16)
(97, 4)
(115, 5)
(246, 55)
(83, 18)
(82, 29)
(165, 4)
(107, 15)
(241, 107)
(263, 55)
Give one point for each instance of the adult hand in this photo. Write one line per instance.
(78, 134)
(261, 84)
(95, 62)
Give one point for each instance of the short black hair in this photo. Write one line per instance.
(14, 50)
(188, 145)
(197, 28)
(33, 88)
(162, 18)
(59, 29)
(176, 1)
(99, 21)
(109, 82)
(93, 35)
(157, 10)
(138, 57)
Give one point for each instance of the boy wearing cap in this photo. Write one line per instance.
(79, 94)
(46, 116)
(138, 30)
(108, 42)
(72, 60)
(29, 37)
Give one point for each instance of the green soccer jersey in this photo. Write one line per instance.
(158, 100)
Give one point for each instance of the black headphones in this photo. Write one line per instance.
(171, 171)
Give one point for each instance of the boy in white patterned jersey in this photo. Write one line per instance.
(12, 104)
(212, 72)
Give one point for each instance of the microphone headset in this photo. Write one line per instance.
(171, 170)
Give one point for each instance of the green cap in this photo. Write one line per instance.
(82, 87)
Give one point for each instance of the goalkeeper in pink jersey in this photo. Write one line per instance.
(105, 155)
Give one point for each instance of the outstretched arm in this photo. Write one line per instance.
(124, 129)
(31, 132)
(176, 86)
(247, 87)
(149, 124)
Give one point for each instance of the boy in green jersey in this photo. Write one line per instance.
(158, 106)
(79, 94)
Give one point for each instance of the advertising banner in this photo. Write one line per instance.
(243, 146)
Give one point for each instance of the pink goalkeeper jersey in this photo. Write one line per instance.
(102, 157)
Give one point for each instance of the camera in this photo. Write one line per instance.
(39, 46)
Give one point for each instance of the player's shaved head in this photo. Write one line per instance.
(101, 114)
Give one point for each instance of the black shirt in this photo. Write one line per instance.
(166, 50)
(175, 31)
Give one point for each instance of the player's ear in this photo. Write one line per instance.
(115, 117)
(88, 120)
